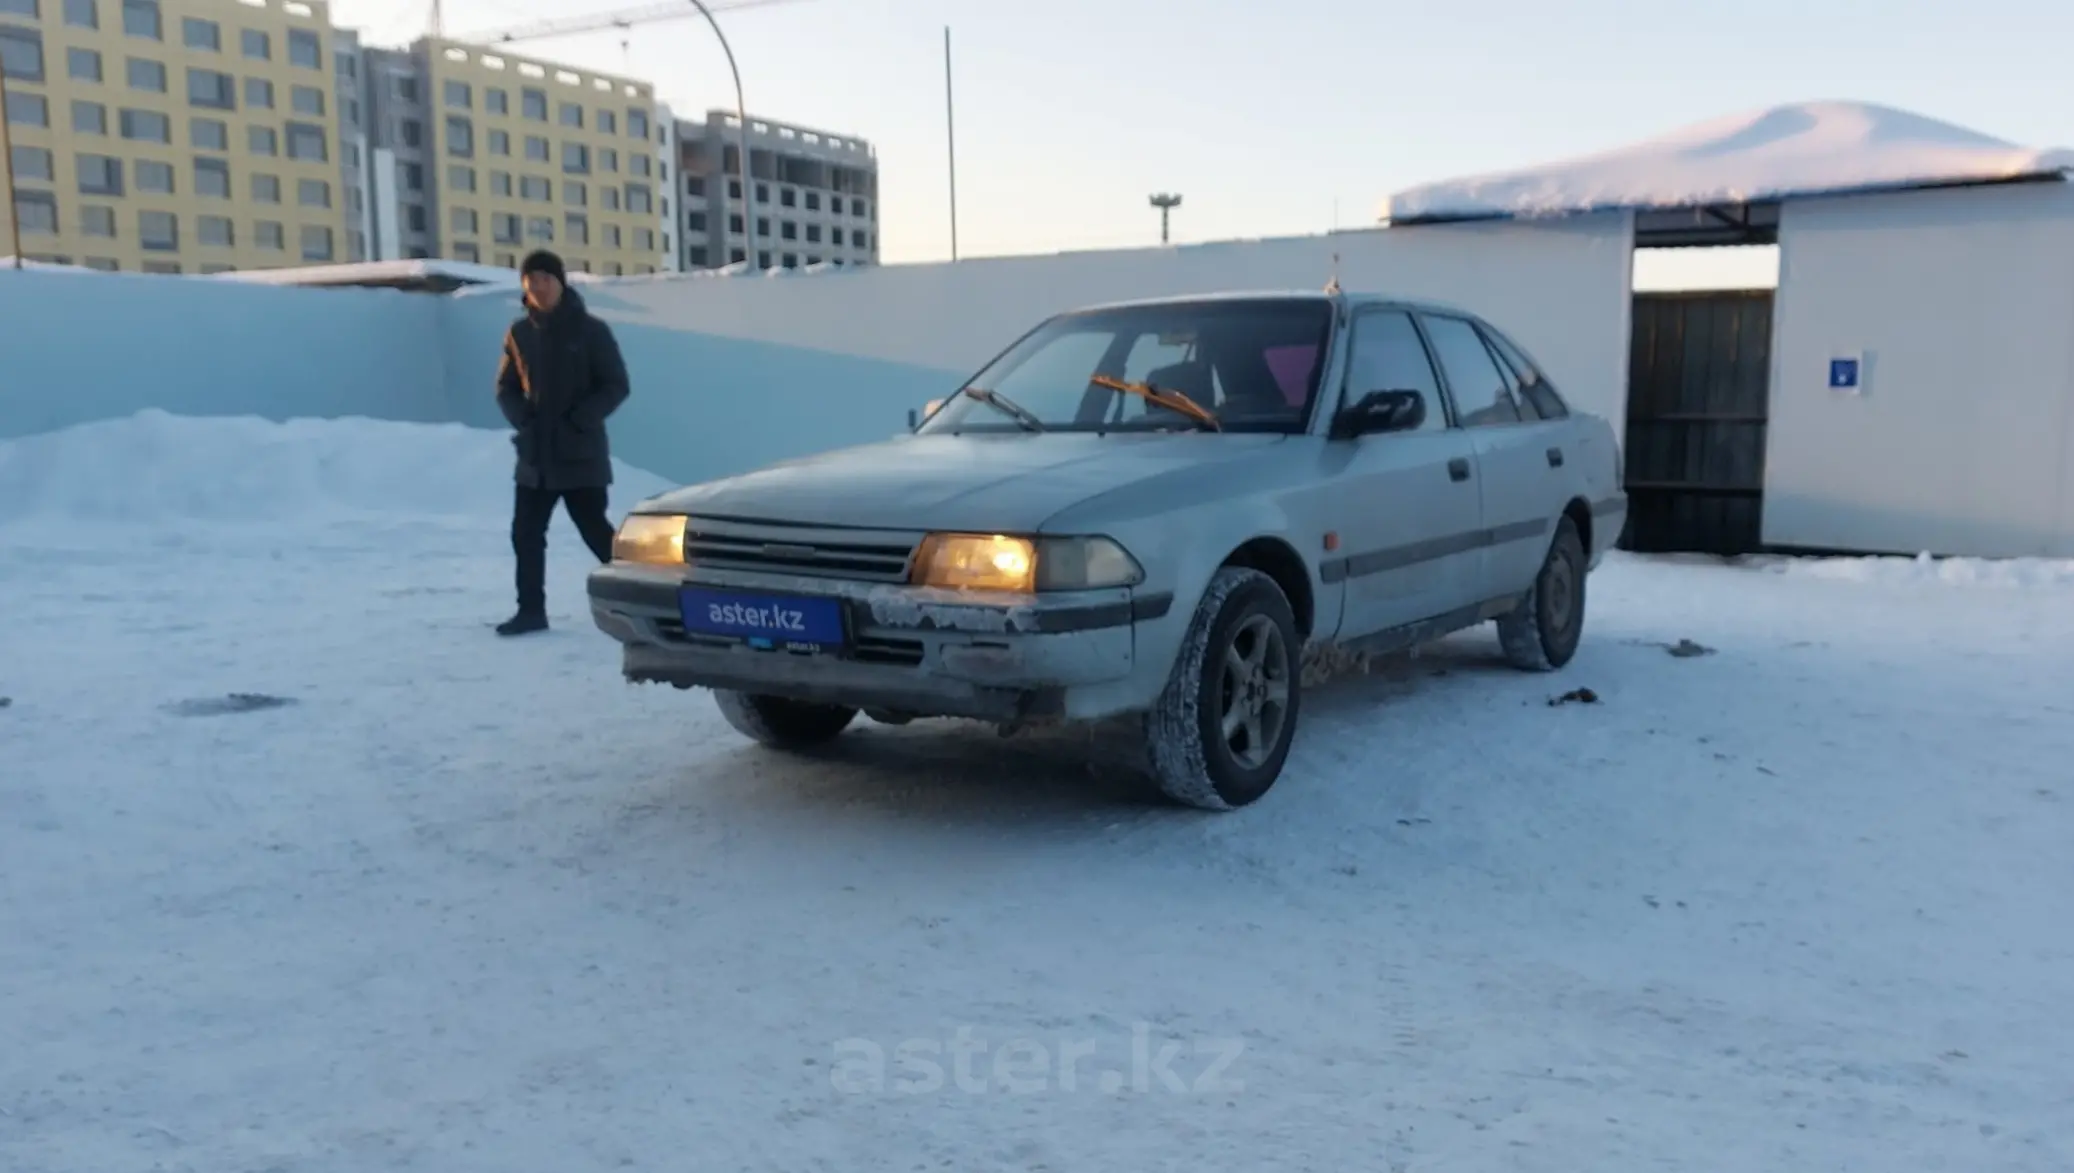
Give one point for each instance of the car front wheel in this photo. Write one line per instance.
(782, 723)
(1220, 732)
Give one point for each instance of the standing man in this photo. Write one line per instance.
(562, 374)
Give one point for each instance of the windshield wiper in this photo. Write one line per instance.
(1171, 400)
(1009, 407)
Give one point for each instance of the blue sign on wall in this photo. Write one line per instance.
(1843, 374)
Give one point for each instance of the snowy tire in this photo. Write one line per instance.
(1219, 733)
(1543, 632)
(781, 723)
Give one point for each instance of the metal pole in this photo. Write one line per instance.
(14, 219)
(950, 126)
(741, 115)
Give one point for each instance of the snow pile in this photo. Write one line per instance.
(154, 466)
(1809, 148)
(2013, 573)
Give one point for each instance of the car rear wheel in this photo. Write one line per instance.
(1543, 632)
(1220, 732)
(782, 723)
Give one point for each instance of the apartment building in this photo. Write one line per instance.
(815, 195)
(173, 136)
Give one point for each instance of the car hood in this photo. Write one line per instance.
(990, 483)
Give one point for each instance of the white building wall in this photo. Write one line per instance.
(1961, 303)
(1560, 288)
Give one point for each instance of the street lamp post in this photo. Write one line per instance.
(1166, 202)
(14, 219)
(742, 136)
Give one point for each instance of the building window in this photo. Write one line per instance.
(414, 217)
(158, 232)
(813, 234)
(147, 75)
(644, 239)
(36, 212)
(640, 165)
(99, 174)
(857, 237)
(270, 235)
(316, 242)
(694, 221)
(533, 104)
(763, 193)
(154, 177)
(214, 231)
(540, 230)
(81, 14)
(30, 163)
(208, 134)
(95, 220)
(313, 193)
(572, 115)
(608, 122)
(790, 260)
(255, 44)
(637, 124)
(305, 51)
(640, 199)
(411, 132)
(608, 160)
(609, 196)
(28, 109)
(698, 256)
(695, 185)
(577, 227)
(734, 224)
(413, 176)
(536, 149)
(788, 198)
(856, 207)
(465, 251)
(212, 178)
(140, 19)
(89, 118)
(80, 65)
(460, 178)
(788, 230)
(457, 94)
(812, 261)
(504, 228)
(734, 189)
(500, 183)
(259, 93)
(307, 142)
(262, 140)
(212, 90)
(763, 227)
(462, 221)
(406, 89)
(307, 100)
(576, 159)
(206, 35)
(533, 187)
(763, 260)
(266, 189)
(575, 194)
(813, 201)
(612, 236)
(169, 268)
(737, 256)
(496, 101)
(460, 137)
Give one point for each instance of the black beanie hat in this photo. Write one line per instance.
(543, 261)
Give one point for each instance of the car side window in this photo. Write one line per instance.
(1514, 384)
(1388, 356)
(1482, 392)
(1534, 388)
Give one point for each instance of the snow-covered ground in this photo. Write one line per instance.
(1800, 902)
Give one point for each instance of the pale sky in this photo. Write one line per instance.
(1276, 118)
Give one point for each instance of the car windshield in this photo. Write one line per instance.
(1252, 364)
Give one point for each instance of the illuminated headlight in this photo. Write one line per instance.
(995, 562)
(654, 538)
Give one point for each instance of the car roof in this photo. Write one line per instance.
(1354, 300)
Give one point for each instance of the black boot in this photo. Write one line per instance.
(523, 623)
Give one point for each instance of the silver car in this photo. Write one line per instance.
(1160, 509)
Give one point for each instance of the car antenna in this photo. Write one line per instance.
(1332, 286)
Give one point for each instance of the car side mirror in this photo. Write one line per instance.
(1378, 412)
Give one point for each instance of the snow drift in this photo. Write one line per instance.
(158, 466)
(1809, 148)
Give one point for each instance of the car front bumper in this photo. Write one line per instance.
(913, 650)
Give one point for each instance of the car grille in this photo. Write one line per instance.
(869, 555)
(869, 649)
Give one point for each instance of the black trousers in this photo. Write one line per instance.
(531, 511)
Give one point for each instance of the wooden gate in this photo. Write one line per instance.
(1699, 376)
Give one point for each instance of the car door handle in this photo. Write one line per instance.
(1555, 458)
(1458, 469)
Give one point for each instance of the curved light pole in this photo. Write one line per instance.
(742, 117)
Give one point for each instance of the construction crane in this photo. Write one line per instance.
(622, 19)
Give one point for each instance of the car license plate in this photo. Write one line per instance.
(792, 622)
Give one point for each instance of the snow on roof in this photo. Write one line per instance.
(380, 272)
(1806, 149)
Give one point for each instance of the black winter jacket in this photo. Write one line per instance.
(562, 374)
